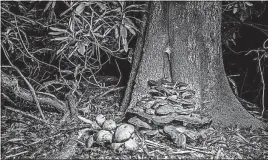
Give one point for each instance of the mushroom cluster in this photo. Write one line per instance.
(171, 108)
(119, 136)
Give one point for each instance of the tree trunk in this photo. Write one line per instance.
(151, 66)
(136, 62)
(193, 32)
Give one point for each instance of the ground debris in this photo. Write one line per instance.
(24, 137)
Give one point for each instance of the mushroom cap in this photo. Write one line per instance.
(123, 132)
(100, 119)
(131, 145)
(109, 125)
(117, 146)
(104, 136)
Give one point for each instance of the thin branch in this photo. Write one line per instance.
(242, 87)
(259, 58)
(109, 91)
(8, 99)
(27, 82)
(17, 154)
(263, 84)
(198, 150)
(119, 72)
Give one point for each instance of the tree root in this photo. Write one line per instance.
(11, 83)
(26, 114)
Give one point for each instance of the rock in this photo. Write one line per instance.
(164, 110)
(140, 104)
(188, 94)
(158, 103)
(145, 102)
(194, 135)
(181, 85)
(150, 132)
(138, 109)
(90, 142)
(181, 129)
(149, 104)
(109, 125)
(136, 138)
(123, 133)
(139, 123)
(168, 85)
(150, 111)
(178, 138)
(187, 102)
(204, 133)
(100, 119)
(160, 97)
(174, 101)
(104, 136)
(95, 125)
(173, 97)
(146, 99)
(131, 145)
(184, 111)
(117, 146)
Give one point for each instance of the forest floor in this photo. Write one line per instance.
(25, 137)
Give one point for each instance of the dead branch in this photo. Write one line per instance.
(119, 73)
(28, 84)
(15, 155)
(107, 92)
(8, 99)
(11, 83)
(198, 150)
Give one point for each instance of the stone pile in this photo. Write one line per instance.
(170, 108)
(118, 136)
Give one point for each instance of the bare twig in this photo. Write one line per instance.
(245, 140)
(182, 152)
(158, 151)
(85, 119)
(8, 99)
(15, 155)
(263, 83)
(119, 72)
(241, 90)
(109, 91)
(264, 44)
(198, 150)
(259, 58)
(158, 145)
(14, 148)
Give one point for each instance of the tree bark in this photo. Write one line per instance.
(193, 32)
(151, 66)
(136, 62)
